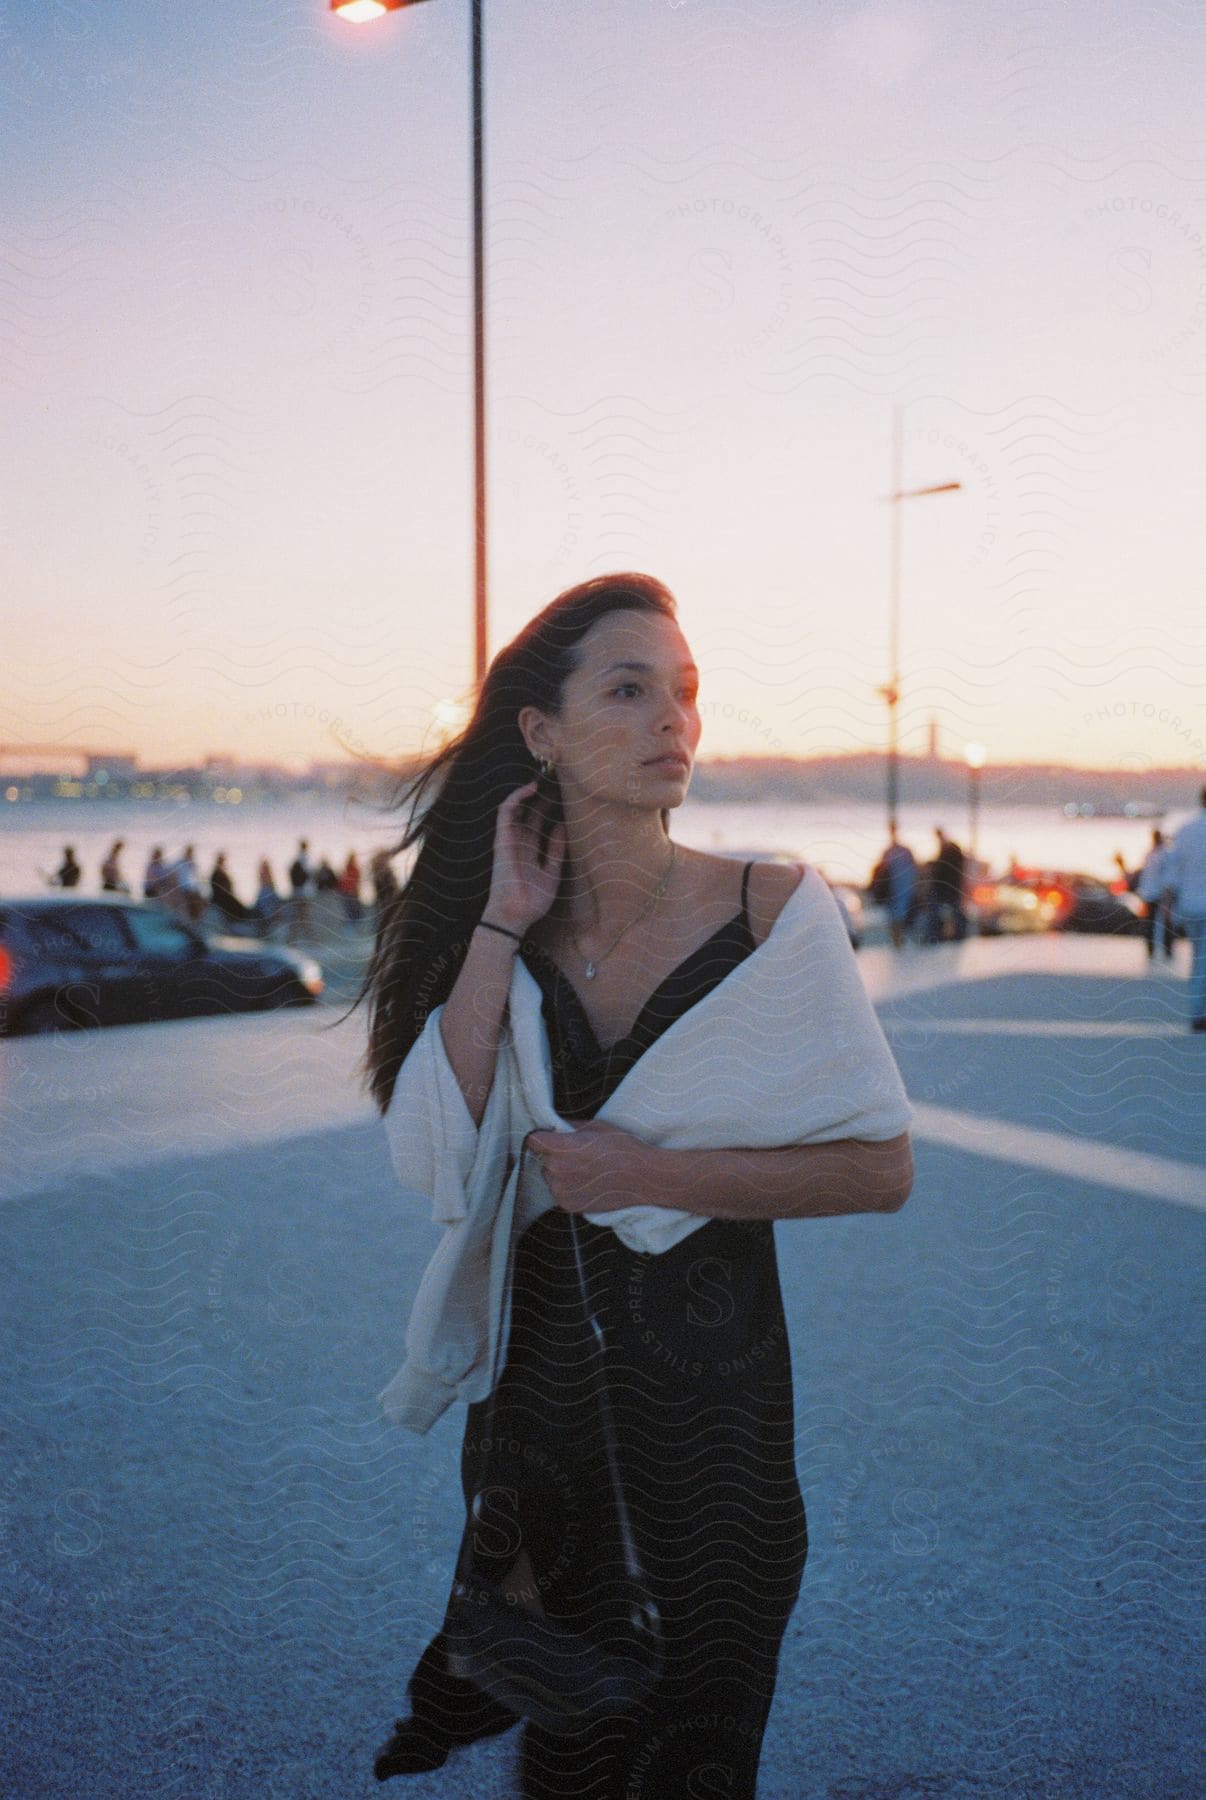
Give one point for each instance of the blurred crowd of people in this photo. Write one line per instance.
(177, 884)
(927, 899)
(1151, 885)
(922, 898)
(1170, 883)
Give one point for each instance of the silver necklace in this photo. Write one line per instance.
(593, 963)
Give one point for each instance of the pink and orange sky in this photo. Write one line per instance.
(724, 238)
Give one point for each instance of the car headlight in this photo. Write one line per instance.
(310, 975)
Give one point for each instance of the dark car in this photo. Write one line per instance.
(1076, 902)
(1004, 909)
(68, 963)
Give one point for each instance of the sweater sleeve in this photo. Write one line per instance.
(857, 1070)
(434, 1144)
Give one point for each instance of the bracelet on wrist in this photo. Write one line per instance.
(518, 936)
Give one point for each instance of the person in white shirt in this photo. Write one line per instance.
(177, 885)
(1150, 889)
(1185, 894)
(192, 899)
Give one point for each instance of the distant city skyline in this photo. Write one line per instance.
(89, 764)
(722, 243)
(17, 757)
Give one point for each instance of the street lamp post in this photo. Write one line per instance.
(360, 12)
(974, 755)
(891, 692)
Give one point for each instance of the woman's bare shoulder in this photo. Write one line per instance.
(772, 885)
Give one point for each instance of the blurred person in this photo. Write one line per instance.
(301, 881)
(326, 881)
(1149, 885)
(68, 873)
(168, 891)
(153, 874)
(189, 898)
(222, 894)
(349, 889)
(268, 903)
(1185, 897)
(112, 881)
(1129, 876)
(945, 892)
(894, 884)
(385, 884)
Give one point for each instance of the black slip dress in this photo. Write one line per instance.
(700, 1384)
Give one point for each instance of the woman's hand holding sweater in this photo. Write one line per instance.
(596, 1167)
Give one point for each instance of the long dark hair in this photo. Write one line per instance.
(424, 927)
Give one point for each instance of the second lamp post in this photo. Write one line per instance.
(891, 692)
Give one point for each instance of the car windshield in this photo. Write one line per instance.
(157, 935)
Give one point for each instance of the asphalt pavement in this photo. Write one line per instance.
(218, 1563)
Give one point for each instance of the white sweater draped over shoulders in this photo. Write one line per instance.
(785, 1049)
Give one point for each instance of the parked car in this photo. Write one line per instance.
(1002, 908)
(850, 901)
(1077, 902)
(67, 963)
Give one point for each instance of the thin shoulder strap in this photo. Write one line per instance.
(745, 882)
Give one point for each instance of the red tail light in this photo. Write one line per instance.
(6, 970)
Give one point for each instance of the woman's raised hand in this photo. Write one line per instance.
(522, 886)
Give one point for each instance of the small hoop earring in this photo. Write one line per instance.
(546, 767)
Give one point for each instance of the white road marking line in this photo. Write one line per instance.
(1082, 1028)
(1058, 1153)
(890, 974)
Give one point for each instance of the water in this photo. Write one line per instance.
(843, 840)
(32, 837)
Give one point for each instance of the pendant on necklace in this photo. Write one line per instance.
(590, 971)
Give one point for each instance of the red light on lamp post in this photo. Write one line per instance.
(359, 12)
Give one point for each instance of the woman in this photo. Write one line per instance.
(624, 931)
(349, 889)
(222, 895)
(268, 903)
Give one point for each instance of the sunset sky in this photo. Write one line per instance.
(724, 237)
